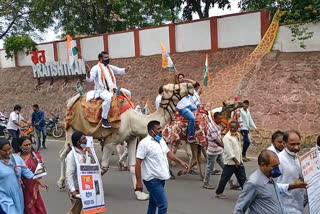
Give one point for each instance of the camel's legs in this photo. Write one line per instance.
(192, 159)
(62, 156)
(107, 151)
(199, 150)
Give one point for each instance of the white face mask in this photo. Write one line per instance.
(83, 146)
(290, 153)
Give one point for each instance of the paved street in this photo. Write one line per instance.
(185, 194)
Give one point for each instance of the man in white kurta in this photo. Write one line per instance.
(293, 201)
(105, 84)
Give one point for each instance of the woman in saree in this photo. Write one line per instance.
(32, 197)
(12, 168)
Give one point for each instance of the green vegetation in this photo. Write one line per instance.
(16, 43)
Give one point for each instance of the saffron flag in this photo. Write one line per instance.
(72, 50)
(166, 59)
(148, 103)
(206, 72)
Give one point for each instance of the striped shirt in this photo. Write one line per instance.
(214, 133)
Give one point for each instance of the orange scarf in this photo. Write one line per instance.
(104, 77)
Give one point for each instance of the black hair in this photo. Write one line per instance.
(180, 74)
(246, 101)
(196, 85)
(101, 54)
(24, 138)
(160, 90)
(265, 157)
(318, 140)
(35, 106)
(17, 107)
(234, 121)
(287, 134)
(3, 142)
(276, 134)
(76, 137)
(152, 124)
(217, 114)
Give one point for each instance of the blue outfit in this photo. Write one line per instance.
(157, 196)
(40, 125)
(187, 113)
(11, 195)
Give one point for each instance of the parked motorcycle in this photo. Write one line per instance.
(53, 128)
(3, 128)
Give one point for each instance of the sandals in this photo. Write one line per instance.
(221, 196)
(208, 186)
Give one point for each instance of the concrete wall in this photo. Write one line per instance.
(150, 40)
(228, 31)
(283, 42)
(91, 47)
(240, 30)
(6, 63)
(193, 36)
(121, 45)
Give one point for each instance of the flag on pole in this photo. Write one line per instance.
(148, 103)
(166, 59)
(206, 72)
(72, 50)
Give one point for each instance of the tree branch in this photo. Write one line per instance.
(9, 27)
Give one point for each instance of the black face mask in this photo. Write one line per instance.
(106, 61)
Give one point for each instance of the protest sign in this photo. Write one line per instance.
(311, 173)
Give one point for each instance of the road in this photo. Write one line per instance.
(185, 194)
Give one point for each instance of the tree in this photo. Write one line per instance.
(78, 17)
(24, 16)
(16, 43)
(201, 7)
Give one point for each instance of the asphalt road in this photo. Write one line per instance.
(185, 194)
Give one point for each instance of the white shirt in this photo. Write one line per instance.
(155, 162)
(71, 168)
(272, 148)
(95, 75)
(196, 98)
(184, 102)
(14, 116)
(232, 149)
(291, 170)
(247, 121)
(158, 101)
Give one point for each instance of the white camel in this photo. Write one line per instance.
(132, 125)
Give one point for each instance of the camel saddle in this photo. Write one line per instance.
(180, 117)
(93, 109)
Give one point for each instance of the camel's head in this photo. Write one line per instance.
(176, 92)
(231, 105)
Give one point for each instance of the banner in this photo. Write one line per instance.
(311, 173)
(90, 183)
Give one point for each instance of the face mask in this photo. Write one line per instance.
(106, 61)
(157, 137)
(25, 150)
(291, 153)
(83, 146)
(275, 172)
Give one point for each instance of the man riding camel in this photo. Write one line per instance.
(105, 84)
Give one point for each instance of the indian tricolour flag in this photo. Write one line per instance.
(206, 72)
(72, 50)
(166, 59)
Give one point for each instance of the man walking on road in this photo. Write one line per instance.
(277, 142)
(39, 124)
(247, 123)
(14, 126)
(261, 194)
(232, 159)
(153, 168)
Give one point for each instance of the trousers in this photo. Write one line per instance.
(227, 172)
(158, 198)
(246, 141)
(39, 131)
(76, 205)
(187, 113)
(15, 134)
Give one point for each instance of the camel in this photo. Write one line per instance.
(193, 151)
(132, 126)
